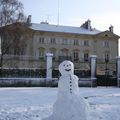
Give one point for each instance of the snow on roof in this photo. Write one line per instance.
(65, 29)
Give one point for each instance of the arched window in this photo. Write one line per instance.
(41, 53)
(86, 55)
(64, 52)
(76, 55)
(53, 51)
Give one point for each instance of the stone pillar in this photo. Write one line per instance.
(49, 66)
(118, 71)
(93, 69)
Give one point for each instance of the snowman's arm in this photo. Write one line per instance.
(75, 77)
(60, 82)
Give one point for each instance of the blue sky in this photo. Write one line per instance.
(102, 13)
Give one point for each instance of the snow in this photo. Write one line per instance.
(65, 29)
(36, 103)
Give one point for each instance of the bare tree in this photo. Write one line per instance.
(11, 11)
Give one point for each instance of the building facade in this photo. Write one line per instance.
(65, 42)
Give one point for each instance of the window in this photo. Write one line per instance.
(65, 41)
(86, 43)
(64, 54)
(76, 42)
(76, 55)
(53, 51)
(106, 56)
(86, 56)
(16, 51)
(53, 41)
(106, 44)
(41, 40)
(41, 53)
(22, 51)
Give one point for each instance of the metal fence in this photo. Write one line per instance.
(23, 72)
(106, 72)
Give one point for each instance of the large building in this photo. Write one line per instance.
(65, 42)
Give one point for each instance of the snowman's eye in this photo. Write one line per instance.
(69, 64)
(63, 65)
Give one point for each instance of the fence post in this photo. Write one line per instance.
(49, 66)
(118, 71)
(93, 69)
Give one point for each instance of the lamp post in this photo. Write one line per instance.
(106, 68)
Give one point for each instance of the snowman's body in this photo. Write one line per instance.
(69, 105)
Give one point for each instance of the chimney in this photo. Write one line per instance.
(87, 25)
(111, 28)
(29, 20)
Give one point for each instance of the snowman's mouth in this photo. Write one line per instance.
(68, 70)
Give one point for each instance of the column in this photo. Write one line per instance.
(49, 65)
(118, 70)
(93, 69)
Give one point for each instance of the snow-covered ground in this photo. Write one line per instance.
(36, 103)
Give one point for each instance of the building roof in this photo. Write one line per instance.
(63, 29)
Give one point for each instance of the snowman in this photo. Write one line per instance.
(69, 104)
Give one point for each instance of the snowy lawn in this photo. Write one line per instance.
(36, 103)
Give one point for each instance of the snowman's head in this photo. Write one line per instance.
(66, 68)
